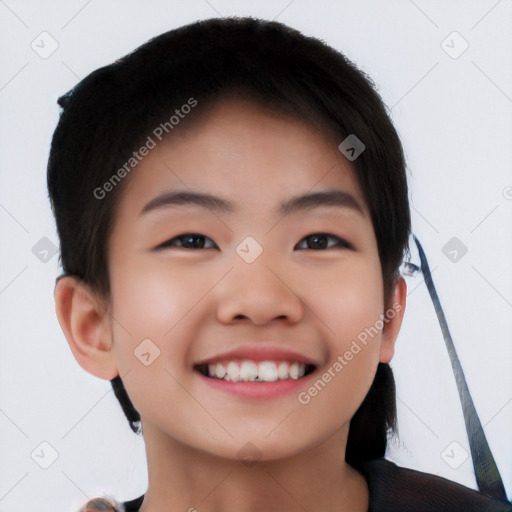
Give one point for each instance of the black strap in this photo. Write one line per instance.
(488, 477)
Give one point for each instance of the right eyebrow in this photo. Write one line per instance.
(179, 198)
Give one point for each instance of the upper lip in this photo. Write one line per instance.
(260, 353)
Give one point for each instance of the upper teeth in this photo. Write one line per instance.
(266, 371)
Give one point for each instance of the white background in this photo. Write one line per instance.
(454, 119)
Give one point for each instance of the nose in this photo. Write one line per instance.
(258, 293)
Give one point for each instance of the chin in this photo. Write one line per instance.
(258, 449)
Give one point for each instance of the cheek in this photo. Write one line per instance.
(161, 302)
(349, 301)
(150, 299)
(352, 307)
(150, 305)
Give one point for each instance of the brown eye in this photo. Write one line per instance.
(187, 241)
(319, 241)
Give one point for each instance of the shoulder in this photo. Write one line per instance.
(398, 489)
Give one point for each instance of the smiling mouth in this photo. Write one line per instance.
(255, 371)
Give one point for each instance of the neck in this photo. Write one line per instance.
(184, 478)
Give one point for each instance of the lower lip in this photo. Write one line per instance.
(258, 390)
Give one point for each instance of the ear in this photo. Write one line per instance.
(393, 319)
(85, 321)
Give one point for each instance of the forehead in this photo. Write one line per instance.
(239, 150)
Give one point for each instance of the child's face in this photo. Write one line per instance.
(197, 303)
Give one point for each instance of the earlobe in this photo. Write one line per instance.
(393, 319)
(86, 325)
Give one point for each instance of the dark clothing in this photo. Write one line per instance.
(396, 489)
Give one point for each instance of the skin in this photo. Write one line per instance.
(195, 303)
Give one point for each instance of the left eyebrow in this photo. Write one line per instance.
(323, 199)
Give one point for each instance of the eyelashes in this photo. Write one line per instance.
(196, 241)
